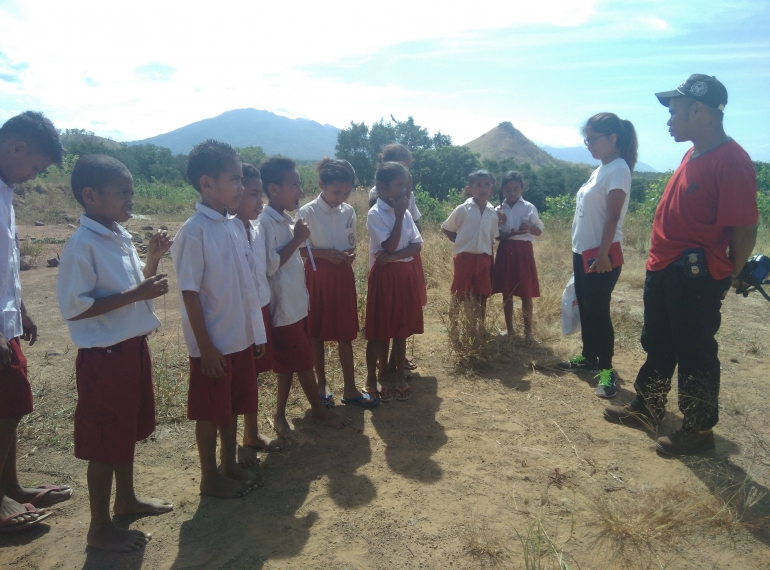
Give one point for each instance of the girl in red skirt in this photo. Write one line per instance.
(514, 272)
(393, 304)
(331, 284)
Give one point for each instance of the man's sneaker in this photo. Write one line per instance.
(686, 442)
(608, 383)
(628, 416)
(579, 363)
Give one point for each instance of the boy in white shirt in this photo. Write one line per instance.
(292, 352)
(29, 143)
(472, 227)
(104, 294)
(221, 317)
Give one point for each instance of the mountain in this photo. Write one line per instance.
(301, 139)
(581, 154)
(505, 141)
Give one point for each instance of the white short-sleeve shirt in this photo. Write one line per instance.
(97, 262)
(289, 300)
(476, 229)
(211, 259)
(591, 205)
(412, 209)
(521, 211)
(259, 258)
(10, 284)
(255, 261)
(380, 222)
(330, 228)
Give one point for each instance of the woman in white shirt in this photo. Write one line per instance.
(597, 236)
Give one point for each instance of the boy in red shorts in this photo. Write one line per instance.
(29, 144)
(292, 351)
(221, 317)
(105, 294)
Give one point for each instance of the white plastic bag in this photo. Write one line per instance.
(570, 312)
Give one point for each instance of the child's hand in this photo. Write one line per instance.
(524, 226)
(451, 235)
(336, 256)
(159, 244)
(5, 352)
(213, 363)
(28, 327)
(152, 288)
(501, 218)
(601, 265)
(401, 205)
(301, 231)
(350, 257)
(504, 235)
(383, 257)
(259, 350)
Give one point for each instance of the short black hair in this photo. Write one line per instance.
(387, 172)
(273, 170)
(37, 131)
(251, 172)
(481, 173)
(335, 170)
(95, 171)
(209, 158)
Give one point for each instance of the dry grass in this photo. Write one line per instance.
(485, 540)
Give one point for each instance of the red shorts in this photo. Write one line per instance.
(217, 400)
(15, 392)
(393, 304)
(515, 272)
(116, 401)
(292, 351)
(333, 302)
(473, 274)
(265, 363)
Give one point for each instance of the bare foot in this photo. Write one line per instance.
(263, 442)
(138, 506)
(51, 494)
(224, 487)
(238, 473)
(529, 339)
(247, 456)
(330, 419)
(8, 507)
(114, 539)
(282, 426)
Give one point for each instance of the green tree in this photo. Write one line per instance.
(353, 145)
(252, 155)
(441, 170)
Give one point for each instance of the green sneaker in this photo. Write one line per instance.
(579, 363)
(608, 383)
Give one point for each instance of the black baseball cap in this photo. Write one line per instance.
(704, 88)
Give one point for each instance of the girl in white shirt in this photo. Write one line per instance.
(472, 227)
(515, 272)
(333, 315)
(393, 306)
(601, 206)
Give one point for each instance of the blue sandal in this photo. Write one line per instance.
(363, 401)
(327, 401)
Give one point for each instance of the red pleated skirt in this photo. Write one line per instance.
(393, 305)
(419, 273)
(333, 312)
(514, 272)
(265, 363)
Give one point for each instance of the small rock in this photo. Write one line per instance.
(149, 228)
(137, 239)
(164, 228)
(72, 226)
(53, 262)
(25, 262)
(68, 218)
(39, 224)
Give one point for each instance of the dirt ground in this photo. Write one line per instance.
(478, 469)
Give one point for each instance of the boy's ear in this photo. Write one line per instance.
(18, 147)
(207, 183)
(89, 196)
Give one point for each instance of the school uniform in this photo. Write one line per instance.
(211, 260)
(393, 304)
(292, 351)
(514, 271)
(113, 370)
(476, 231)
(15, 391)
(333, 312)
(254, 239)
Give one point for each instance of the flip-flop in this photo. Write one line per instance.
(401, 392)
(46, 490)
(6, 525)
(365, 400)
(327, 401)
(410, 364)
(379, 395)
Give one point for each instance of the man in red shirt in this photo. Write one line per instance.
(704, 230)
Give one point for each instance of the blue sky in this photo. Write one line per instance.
(148, 67)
